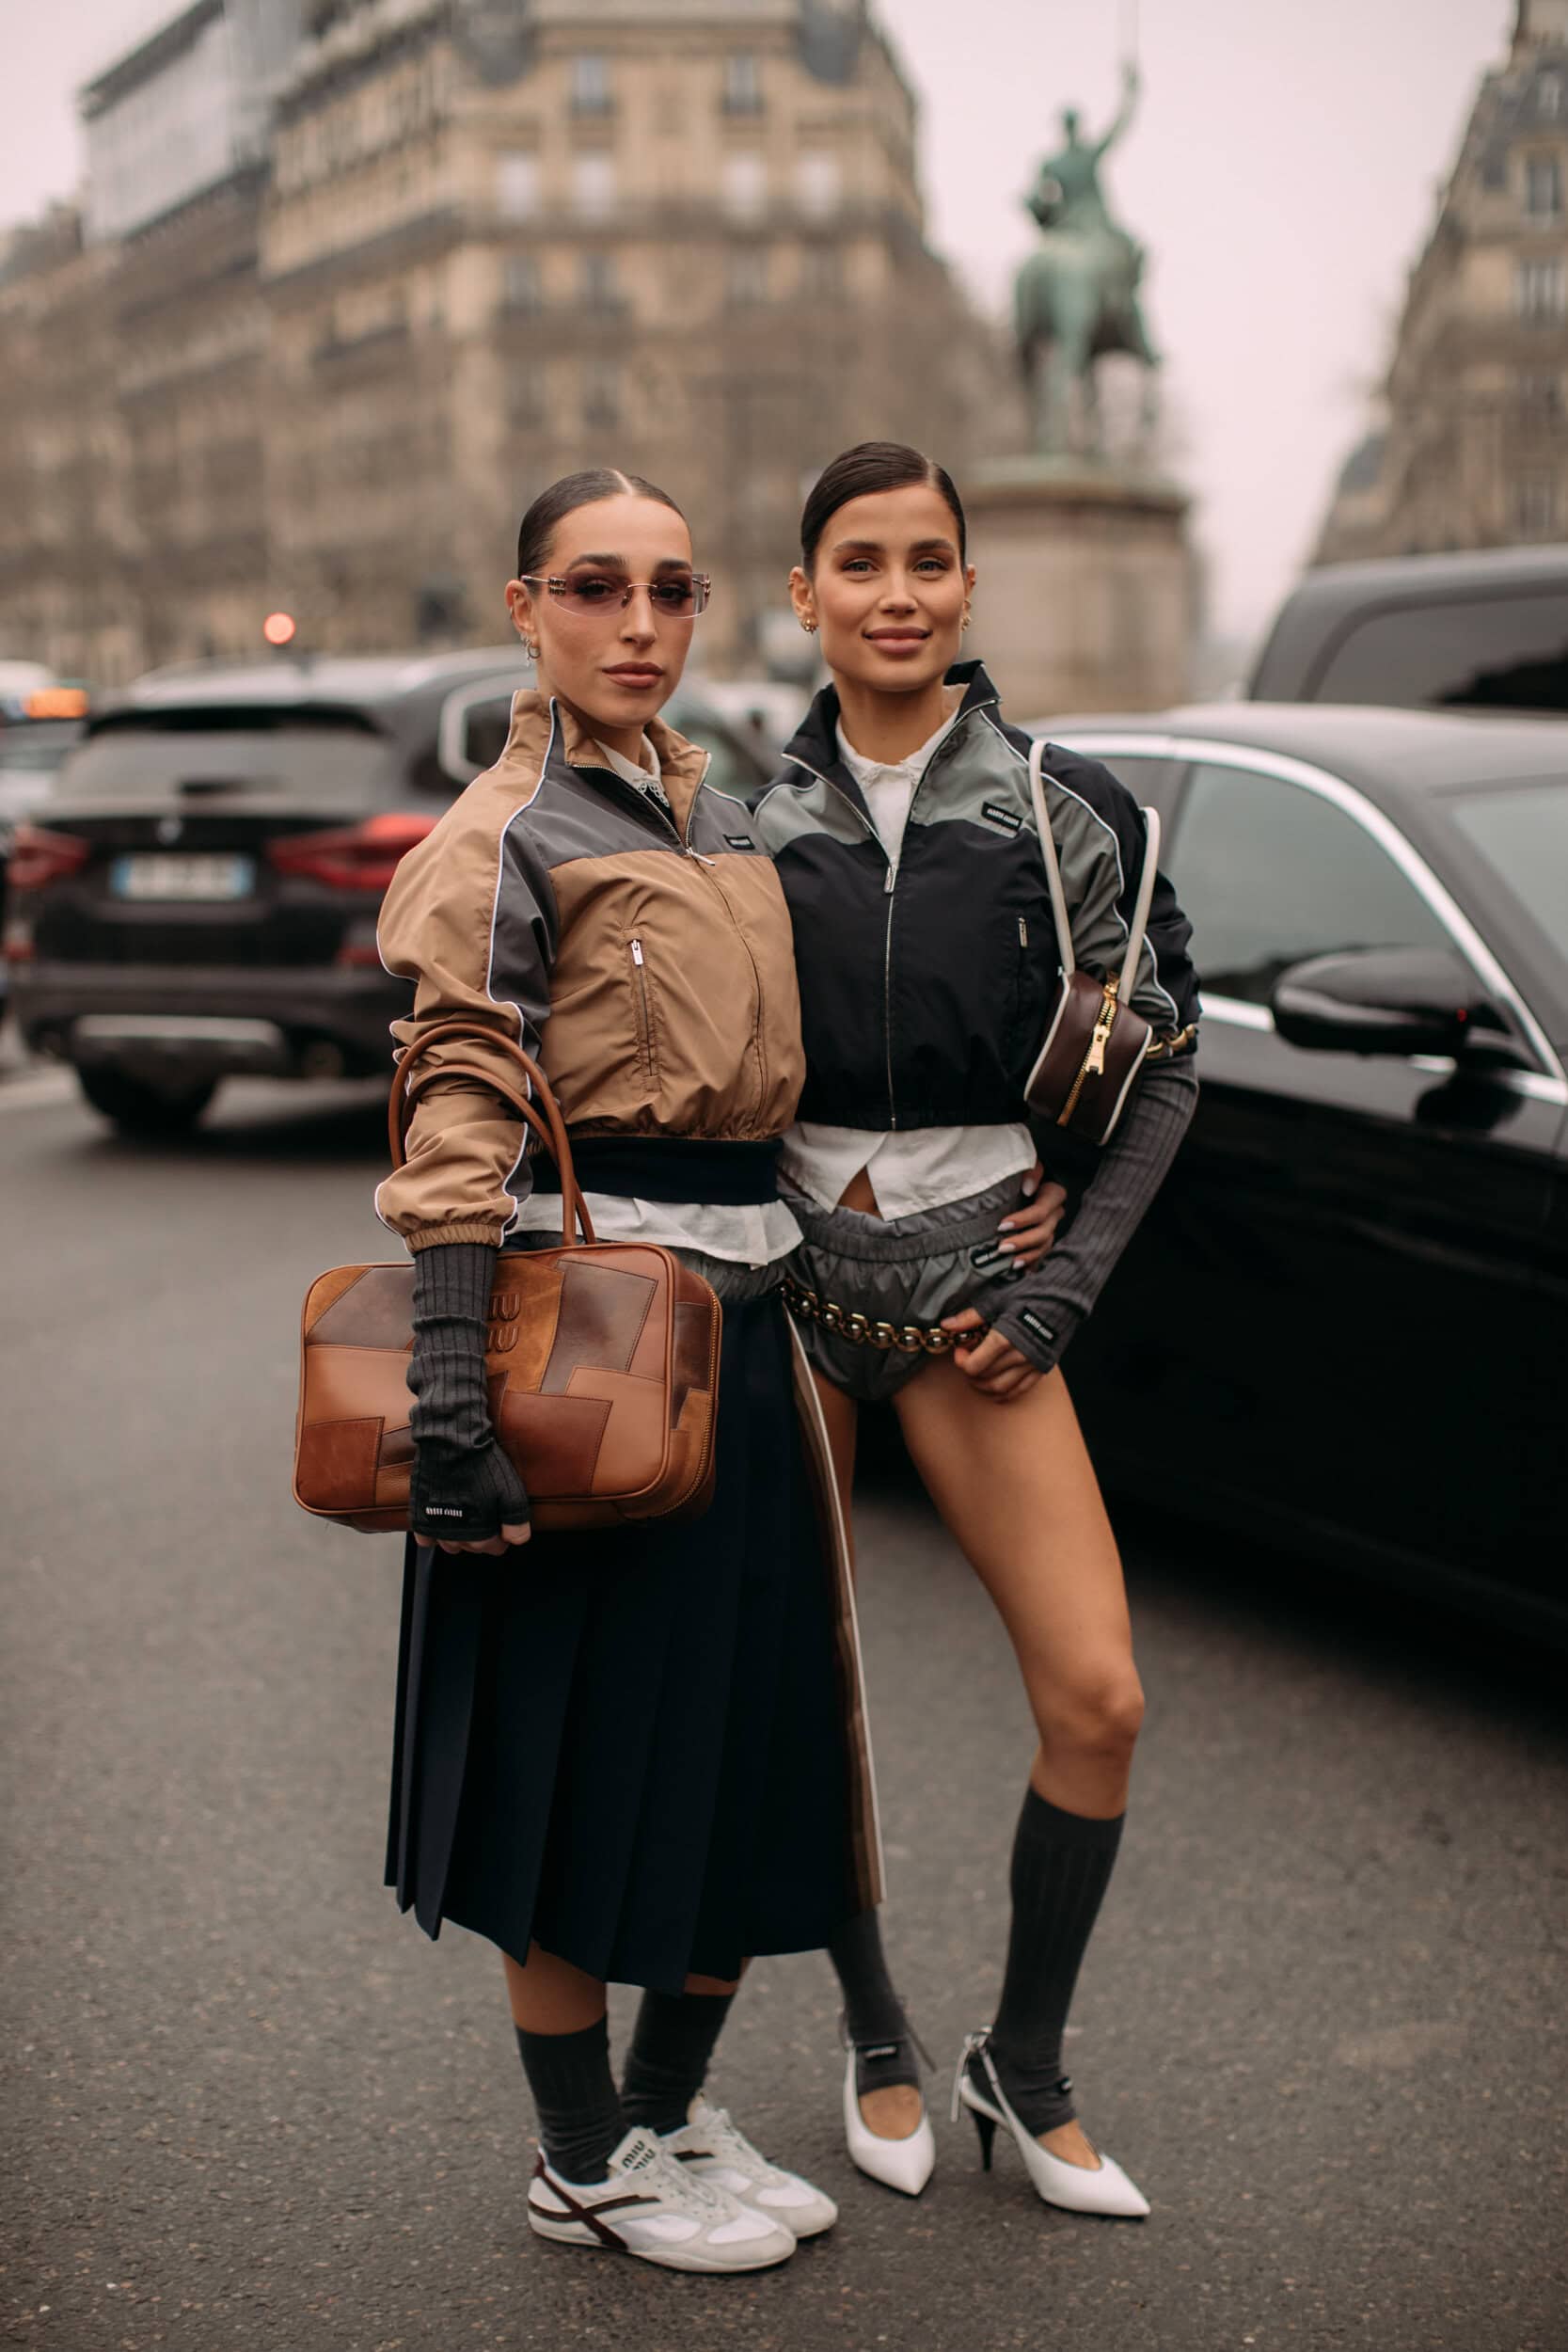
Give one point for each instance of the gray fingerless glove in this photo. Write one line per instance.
(463, 1487)
(1044, 1308)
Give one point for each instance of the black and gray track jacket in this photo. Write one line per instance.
(925, 987)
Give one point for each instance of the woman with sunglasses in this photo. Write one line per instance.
(904, 834)
(636, 1755)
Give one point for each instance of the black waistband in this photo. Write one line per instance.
(655, 1168)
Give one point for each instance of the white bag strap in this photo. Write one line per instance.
(1053, 877)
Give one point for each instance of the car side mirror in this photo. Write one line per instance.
(1394, 1000)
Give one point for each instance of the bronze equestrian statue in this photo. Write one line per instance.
(1076, 298)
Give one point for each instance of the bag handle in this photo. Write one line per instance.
(1142, 902)
(537, 1106)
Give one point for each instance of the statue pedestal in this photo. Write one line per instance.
(1086, 594)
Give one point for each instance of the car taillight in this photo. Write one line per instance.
(39, 857)
(361, 857)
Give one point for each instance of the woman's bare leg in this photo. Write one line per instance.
(549, 1995)
(1014, 1484)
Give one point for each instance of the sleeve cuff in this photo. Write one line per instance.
(434, 1236)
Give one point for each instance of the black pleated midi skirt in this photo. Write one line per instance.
(633, 1746)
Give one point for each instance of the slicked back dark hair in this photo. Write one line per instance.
(551, 507)
(860, 473)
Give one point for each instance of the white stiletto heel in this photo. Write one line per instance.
(905, 2164)
(1105, 2191)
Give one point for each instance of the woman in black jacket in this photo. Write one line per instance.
(904, 835)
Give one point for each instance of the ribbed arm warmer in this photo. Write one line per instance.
(1045, 1309)
(463, 1485)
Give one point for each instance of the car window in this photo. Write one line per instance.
(729, 769)
(1521, 829)
(485, 726)
(323, 752)
(1270, 873)
(1487, 652)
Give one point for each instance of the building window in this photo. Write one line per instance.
(601, 394)
(1548, 96)
(1544, 187)
(818, 182)
(1535, 506)
(517, 184)
(745, 185)
(746, 274)
(591, 91)
(1540, 397)
(1540, 290)
(594, 185)
(527, 399)
(822, 273)
(597, 286)
(520, 282)
(742, 84)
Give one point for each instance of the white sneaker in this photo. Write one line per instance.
(709, 2145)
(657, 2209)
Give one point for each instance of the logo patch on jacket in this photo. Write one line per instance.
(1041, 1329)
(740, 841)
(1004, 819)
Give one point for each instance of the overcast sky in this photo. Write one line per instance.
(1283, 173)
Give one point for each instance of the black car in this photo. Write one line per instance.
(1346, 1319)
(203, 899)
(1485, 630)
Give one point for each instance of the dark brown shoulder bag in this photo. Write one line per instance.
(602, 1361)
(1096, 1044)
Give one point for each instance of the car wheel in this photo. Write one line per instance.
(139, 1110)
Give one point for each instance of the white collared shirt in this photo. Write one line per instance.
(745, 1232)
(917, 1167)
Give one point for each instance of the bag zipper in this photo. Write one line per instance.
(1094, 1060)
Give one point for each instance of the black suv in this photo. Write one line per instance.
(202, 899)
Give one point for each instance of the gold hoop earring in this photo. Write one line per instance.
(810, 627)
(966, 620)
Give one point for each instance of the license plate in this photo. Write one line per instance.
(189, 874)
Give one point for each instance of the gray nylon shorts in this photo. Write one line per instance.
(901, 1269)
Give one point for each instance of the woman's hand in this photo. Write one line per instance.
(1028, 1233)
(995, 1366)
(494, 1545)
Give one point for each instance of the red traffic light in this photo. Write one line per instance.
(279, 628)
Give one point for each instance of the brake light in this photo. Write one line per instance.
(361, 857)
(39, 857)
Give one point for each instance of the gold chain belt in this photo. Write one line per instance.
(848, 1323)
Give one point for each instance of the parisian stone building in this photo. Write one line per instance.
(463, 247)
(1473, 447)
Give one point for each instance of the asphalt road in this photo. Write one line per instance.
(245, 2105)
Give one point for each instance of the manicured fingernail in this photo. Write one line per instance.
(1030, 1185)
(1006, 1225)
(1005, 1248)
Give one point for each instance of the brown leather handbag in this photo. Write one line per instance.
(1095, 1043)
(602, 1361)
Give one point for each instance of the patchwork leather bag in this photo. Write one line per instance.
(1095, 1043)
(602, 1360)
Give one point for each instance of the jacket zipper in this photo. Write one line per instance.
(644, 1012)
(888, 881)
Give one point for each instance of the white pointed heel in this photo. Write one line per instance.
(905, 2164)
(1106, 2190)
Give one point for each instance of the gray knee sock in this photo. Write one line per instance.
(581, 2123)
(1062, 1865)
(873, 2013)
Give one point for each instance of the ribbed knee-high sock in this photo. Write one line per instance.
(669, 2055)
(581, 2123)
(1062, 1865)
(873, 2013)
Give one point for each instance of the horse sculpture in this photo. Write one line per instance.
(1076, 298)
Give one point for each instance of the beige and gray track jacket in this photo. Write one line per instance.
(648, 966)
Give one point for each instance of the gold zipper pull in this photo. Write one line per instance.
(1094, 1066)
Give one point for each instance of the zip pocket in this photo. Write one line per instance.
(643, 1011)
